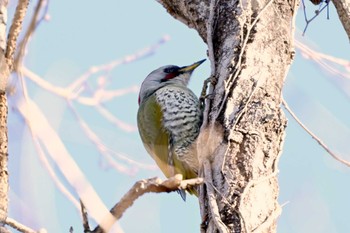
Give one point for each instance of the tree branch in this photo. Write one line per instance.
(34, 23)
(20, 227)
(4, 74)
(3, 24)
(153, 185)
(4, 69)
(343, 9)
(318, 140)
(15, 29)
(84, 217)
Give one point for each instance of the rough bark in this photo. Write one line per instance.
(343, 10)
(4, 73)
(4, 186)
(250, 49)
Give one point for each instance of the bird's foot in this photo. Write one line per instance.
(204, 95)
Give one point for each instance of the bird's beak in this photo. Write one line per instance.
(190, 68)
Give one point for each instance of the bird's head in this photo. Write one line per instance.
(166, 75)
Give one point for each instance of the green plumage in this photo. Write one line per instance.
(164, 141)
(169, 122)
(169, 119)
(153, 135)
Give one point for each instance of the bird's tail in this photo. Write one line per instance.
(182, 194)
(192, 191)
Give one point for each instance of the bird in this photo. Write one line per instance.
(169, 120)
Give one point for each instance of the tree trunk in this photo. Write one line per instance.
(343, 10)
(250, 46)
(4, 73)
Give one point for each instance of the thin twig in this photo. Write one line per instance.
(51, 172)
(42, 156)
(305, 16)
(34, 23)
(15, 29)
(100, 108)
(321, 59)
(308, 21)
(90, 101)
(101, 95)
(153, 185)
(318, 140)
(104, 150)
(108, 67)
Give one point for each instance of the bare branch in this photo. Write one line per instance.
(15, 29)
(4, 69)
(84, 217)
(322, 144)
(4, 73)
(104, 150)
(40, 127)
(44, 160)
(317, 13)
(4, 230)
(102, 95)
(114, 120)
(108, 67)
(321, 59)
(20, 227)
(35, 21)
(3, 24)
(153, 185)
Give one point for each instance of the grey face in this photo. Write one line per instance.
(165, 75)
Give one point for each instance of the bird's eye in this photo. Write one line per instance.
(170, 70)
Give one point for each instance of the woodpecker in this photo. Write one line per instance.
(169, 119)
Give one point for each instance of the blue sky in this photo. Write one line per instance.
(81, 34)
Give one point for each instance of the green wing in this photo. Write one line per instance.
(156, 141)
(153, 135)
